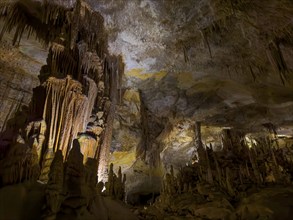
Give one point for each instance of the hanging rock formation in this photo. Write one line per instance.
(80, 81)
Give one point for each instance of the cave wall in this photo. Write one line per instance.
(18, 77)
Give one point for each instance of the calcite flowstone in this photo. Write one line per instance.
(20, 164)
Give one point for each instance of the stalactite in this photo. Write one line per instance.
(5, 6)
(185, 53)
(78, 48)
(205, 37)
(67, 111)
(144, 145)
(92, 91)
(277, 61)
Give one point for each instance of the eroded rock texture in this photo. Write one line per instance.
(219, 61)
(64, 135)
(200, 124)
(16, 82)
(80, 78)
(234, 183)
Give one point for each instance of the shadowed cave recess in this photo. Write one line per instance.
(146, 109)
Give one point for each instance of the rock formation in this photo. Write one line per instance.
(222, 179)
(80, 80)
(65, 134)
(115, 187)
(193, 120)
(54, 187)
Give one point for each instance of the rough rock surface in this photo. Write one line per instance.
(226, 63)
(19, 70)
(222, 62)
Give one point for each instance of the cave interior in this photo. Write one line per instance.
(146, 109)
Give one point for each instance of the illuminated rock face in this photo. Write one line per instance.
(80, 83)
(66, 111)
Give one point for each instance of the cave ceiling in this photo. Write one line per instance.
(222, 62)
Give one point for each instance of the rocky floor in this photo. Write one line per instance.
(260, 203)
(25, 201)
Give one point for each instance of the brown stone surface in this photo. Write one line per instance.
(17, 79)
(225, 64)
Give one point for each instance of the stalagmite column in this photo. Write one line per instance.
(105, 147)
(74, 176)
(54, 186)
(111, 180)
(198, 144)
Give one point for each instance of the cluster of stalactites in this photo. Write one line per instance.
(81, 62)
(77, 48)
(78, 62)
(77, 38)
(18, 17)
(66, 110)
(53, 19)
(4, 7)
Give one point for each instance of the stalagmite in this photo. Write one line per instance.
(46, 164)
(219, 173)
(209, 171)
(74, 182)
(199, 145)
(115, 187)
(90, 180)
(105, 147)
(110, 188)
(118, 186)
(254, 166)
(228, 183)
(54, 186)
